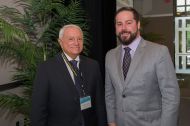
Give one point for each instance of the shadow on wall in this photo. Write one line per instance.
(11, 119)
(6, 72)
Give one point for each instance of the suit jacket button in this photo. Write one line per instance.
(123, 95)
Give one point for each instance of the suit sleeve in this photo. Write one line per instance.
(169, 89)
(39, 98)
(100, 100)
(109, 94)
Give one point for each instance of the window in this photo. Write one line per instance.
(182, 36)
(182, 44)
(182, 8)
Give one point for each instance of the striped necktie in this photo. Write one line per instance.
(77, 77)
(126, 61)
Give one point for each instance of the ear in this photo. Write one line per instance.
(139, 25)
(58, 40)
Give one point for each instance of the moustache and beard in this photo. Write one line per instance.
(124, 39)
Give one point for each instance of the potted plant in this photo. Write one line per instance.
(30, 37)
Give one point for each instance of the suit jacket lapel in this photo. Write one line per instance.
(135, 61)
(64, 71)
(119, 65)
(84, 70)
(82, 65)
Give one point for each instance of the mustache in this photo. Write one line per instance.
(124, 31)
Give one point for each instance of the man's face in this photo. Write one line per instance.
(127, 29)
(72, 41)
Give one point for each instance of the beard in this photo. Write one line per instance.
(124, 40)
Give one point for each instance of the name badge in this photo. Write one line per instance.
(85, 103)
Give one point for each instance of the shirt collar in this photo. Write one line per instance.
(69, 58)
(133, 46)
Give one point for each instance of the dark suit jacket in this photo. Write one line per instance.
(55, 100)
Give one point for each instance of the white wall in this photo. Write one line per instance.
(6, 72)
(153, 7)
(10, 3)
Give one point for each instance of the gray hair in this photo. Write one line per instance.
(61, 32)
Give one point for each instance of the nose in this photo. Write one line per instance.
(124, 26)
(77, 41)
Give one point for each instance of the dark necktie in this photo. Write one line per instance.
(78, 82)
(126, 61)
(77, 77)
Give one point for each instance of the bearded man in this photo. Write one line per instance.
(141, 88)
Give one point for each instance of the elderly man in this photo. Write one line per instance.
(68, 88)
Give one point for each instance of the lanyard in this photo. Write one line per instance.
(75, 73)
(71, 67)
